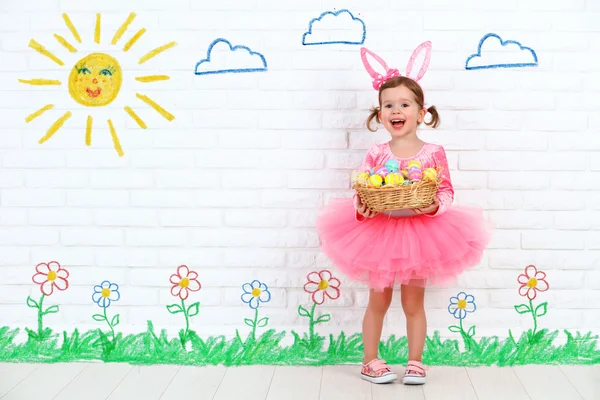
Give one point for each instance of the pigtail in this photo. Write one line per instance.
(374, 114)
(435, 117)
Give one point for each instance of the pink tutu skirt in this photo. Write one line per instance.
(416, 250)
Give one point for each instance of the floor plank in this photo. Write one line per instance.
(45, 382)
(586, 379)
(12, 374)
(205, 381)
(343, 382)
(97, 381)
(495, 383)
(546, 382)
(248, 383)
(296, 383)
(448, 383)
(145, 382)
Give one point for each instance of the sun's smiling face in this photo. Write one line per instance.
(95, 80)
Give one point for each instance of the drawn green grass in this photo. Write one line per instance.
(151, 347)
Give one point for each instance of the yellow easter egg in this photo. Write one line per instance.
(363, 177)
(404, 173)
(376, 180)
(430, 174)
(414, 164)
(394, 179)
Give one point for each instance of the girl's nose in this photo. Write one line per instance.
(94, 81)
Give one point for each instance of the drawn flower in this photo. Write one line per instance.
(532, 281)
(461, 304)
(50, 276)
(321, 284)
(184, 281)
(105, 293)
(255, 293)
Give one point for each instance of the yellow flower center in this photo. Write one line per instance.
(105, 293)
(51, 275)
(532, 283)
(323, 284)
(256, 292)
(462, 304)
(185, 282)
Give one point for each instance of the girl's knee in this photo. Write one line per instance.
(380, 301)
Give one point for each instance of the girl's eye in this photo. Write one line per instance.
(84, 71)
(105, 72)
(388, 106)
(404, 105)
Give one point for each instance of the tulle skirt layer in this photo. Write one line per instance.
(383, 251)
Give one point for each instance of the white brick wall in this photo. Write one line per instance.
(233, 185)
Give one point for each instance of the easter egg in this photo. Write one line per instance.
(383, 171)
(430, 174)
(375, 169)
(376, 180)
(415, 174)
(414, 164)
(404, 173)
(392, 165)
(363, 177)
(394, 179)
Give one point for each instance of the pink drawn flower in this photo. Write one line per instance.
(50, 276)
(321, 284)
(532, 281)
(184, 281)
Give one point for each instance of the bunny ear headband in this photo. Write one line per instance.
(379, 79)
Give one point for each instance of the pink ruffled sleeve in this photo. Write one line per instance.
(445, 192)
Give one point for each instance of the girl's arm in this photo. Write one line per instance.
(366, 165)
(445, 192)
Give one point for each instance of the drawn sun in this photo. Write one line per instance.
(95, 80)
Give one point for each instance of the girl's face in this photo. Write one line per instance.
(400, 113)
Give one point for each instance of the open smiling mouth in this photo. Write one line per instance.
(93, 93)
(397, 123)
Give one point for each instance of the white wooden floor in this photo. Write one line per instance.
(91, 381)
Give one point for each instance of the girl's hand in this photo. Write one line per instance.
(362, 208)
(428, 210)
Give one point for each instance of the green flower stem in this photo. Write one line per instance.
(187, 318)
(40, 315)
(534, 317)
(311, 322)
(109, 324)
(254, 324)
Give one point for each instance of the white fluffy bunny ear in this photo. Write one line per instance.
(427, 46)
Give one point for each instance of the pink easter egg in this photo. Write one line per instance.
(415, 174)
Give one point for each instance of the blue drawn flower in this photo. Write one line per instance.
(105, 293)
(255, 293)
(230, 59)
(339, 27)
(461, 304)
(493, 52)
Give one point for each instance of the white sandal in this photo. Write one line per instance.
(415, 373)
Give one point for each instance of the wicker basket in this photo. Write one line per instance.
(388, 198)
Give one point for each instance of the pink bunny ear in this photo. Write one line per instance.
(427, 46)
(378, 79)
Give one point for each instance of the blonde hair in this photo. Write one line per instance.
(414, 87)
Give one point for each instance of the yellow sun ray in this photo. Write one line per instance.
(155, 52)
(43, 51)
(134, 39)
(115, 139)
(88, 131)
(158, 108)
(66, 44)
(97, 29)
(40, 82)
(55, 127)
(122, 29)
(152, 78)
(39, 112)
(71, 27)
(135, 117)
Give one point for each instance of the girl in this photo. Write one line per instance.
(412, 247)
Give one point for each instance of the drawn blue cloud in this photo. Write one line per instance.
(339, 27)
(223, 58)
(493, 52)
